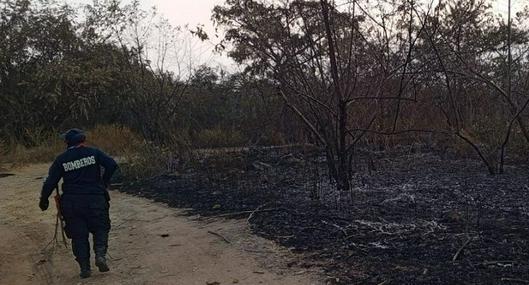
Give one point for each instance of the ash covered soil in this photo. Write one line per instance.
(412, 217)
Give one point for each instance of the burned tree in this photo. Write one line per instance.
(467, 52)
(335, 66)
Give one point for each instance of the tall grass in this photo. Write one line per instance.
(146, 161)
(138, 158)
(13, 154)
(44, 147)
(217, 137)
(114, 139)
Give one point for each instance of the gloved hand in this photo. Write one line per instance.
(43, 204)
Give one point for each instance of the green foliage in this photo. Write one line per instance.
(59, 72)
(62, 67)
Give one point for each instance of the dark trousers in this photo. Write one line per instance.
(84, 214)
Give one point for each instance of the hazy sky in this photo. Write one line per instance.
(182, 13)
(199, 11)
(185, 11)
(193, 12)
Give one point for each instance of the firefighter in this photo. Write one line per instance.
(84, 202)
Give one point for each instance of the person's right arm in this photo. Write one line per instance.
(54, 176)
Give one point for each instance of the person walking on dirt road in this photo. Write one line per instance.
(84, 202)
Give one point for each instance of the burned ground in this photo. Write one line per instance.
(413, 217)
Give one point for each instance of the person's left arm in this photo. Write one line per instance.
(110, 166)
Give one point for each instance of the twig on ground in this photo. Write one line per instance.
(249, 212)
(461, 249)
(497, 262)
(254, 211)
(515, 280)
(341, 229)
(220, 236)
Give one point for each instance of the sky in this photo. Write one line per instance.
(199, 11)
(194, 12)
(186, 13)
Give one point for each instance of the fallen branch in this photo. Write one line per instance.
(255, 211)
(461, 249)
(220, 236)
(249, 212)
(497, 262)
(515, 280)
(342, 230)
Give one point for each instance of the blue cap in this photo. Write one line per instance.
(74, 136)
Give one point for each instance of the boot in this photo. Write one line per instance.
(101, 263)
(100, 249)
(85, 269)
(85, 273)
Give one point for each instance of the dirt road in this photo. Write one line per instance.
(149, 244)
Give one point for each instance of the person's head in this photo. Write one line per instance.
(74, 137)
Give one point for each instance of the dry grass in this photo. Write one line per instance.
(217, 137)
(138, 158)
(147, 160)
(15, 155)
(113, 139)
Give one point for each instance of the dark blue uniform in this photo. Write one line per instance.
(84, 200)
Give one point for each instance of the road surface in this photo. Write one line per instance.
(150, 243)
